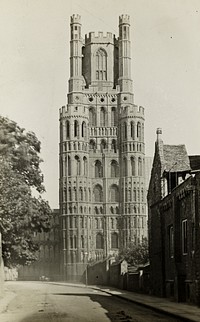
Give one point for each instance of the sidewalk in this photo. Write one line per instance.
(183, 311)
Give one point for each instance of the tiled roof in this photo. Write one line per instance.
(195, 162)
(176, 158)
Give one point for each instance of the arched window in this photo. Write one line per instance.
(117, 210)
(102, 117)
(114, 193)
(132, 166)
(124, 167)
(114, 145)
(132, 130)
(134, 194)
(114, 240)
(114, 169)
(139, 130)
(83, 130)
(98, 193)
(85, 166)
(96, 211)
(98, 169)
(112, 210)
(70, 193)
(113, 116)
(103, 145)
(75, 194)
(82, 241)
(101, 65)
(101, 210)
(75, 128)
(89, 194)
(81, 194)
(129, 195)
(69, 166)
(92, 117)
(78, 167)
(92, 145)
(139, 167)
(99, 241)
(67, 129)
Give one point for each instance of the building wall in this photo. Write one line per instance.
(177, 241)
(102, 151)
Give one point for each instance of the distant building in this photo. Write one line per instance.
(102, 151)
(174, 231)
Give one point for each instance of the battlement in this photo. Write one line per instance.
(75, 18)
(124, 19)
(100, 37)
(139, 110)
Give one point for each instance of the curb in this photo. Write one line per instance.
(148, 306)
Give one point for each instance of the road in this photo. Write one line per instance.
(42, 302)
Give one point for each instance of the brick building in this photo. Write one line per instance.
(174, 230)
(102, 151)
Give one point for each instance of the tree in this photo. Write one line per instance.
(136, 254)
(21, 212)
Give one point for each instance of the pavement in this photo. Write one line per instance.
(181, 311)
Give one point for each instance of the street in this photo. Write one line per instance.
(41, 302)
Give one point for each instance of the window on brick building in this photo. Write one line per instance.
(184, 237)
(171, 241)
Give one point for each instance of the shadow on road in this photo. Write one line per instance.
(112, 314)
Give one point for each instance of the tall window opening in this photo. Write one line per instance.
(98, 193)
(83, 130)
(113, 116)
(114, 169)
(132, 130)
(67, 129)
(99, 241)
(114, 145)
(85, 166)
(75, 128)
(102, 117)
(132, 166)
(101, 65)
(92, 117)
(114, 193)
(114, 240)
(139, 131)
(98, 169)
(78, 166)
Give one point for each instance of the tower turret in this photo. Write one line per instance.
(76, 80)
(125, 81)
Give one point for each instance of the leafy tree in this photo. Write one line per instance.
(135, 254)
(21, 212)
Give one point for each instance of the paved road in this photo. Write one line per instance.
(42, 302)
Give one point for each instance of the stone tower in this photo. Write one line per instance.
(102, 170)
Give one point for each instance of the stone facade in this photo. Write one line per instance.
(174, 233)
(102, 151)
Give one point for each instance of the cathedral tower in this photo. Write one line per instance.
(102, 177)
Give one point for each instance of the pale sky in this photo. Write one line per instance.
(34, 67)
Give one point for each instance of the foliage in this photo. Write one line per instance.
(21, 213)
(136, 254)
